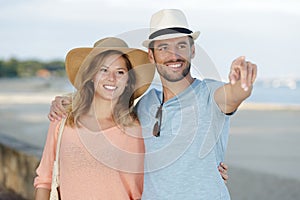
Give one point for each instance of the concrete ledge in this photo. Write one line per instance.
(18, 164)
(9, 195)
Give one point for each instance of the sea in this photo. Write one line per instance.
(266, 91)
(276, 91)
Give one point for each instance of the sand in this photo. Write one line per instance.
(264, 154)
(263, 151)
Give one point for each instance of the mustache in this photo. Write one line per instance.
(177, 60)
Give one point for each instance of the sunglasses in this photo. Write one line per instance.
(157, 125)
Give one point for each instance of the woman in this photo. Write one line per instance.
(101, 154)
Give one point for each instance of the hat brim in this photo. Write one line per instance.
(194, 35)
(144, 70)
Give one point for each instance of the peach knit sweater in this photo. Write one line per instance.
(95, 165)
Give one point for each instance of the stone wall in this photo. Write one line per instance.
(18, 164)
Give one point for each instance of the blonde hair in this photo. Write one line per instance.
(82, 99)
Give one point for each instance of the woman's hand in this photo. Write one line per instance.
(223, 169)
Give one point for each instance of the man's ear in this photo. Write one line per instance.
(151, 56)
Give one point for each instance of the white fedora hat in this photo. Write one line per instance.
(167, 24)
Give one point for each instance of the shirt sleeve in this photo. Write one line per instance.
(44, 170)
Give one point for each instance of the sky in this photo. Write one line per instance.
(267, 32)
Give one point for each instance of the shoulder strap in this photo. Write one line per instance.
(61, 129)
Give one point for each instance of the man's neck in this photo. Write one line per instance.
(171, 89)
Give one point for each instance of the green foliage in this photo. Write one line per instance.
(30, 68)
(8, 68)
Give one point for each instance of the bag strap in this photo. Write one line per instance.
(61, 129)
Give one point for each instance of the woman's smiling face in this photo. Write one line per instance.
(111, 79)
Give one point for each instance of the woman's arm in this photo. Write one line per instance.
(44, 171)
(223, 168)
(42, 194)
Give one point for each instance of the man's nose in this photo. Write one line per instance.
(173, 54)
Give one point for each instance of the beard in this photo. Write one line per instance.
(173, 77)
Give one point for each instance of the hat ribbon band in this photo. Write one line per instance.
(169, 31)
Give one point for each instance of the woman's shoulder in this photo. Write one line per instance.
(134, 129)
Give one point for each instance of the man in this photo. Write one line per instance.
(185, 126)
(189, 118)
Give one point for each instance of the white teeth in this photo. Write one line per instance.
(109, 87)
(175, 65)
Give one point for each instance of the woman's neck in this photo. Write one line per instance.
(102, 108)
(100, 115)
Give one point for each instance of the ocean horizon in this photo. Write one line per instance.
(276, 91)
(269, 91)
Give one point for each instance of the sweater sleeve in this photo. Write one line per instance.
(44, 170)
(135, 179)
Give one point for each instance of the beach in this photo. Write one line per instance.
(263, 151)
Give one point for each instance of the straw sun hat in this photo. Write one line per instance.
(167, 24)
(80, 57)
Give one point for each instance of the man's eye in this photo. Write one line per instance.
(182, 46)
(162, 48)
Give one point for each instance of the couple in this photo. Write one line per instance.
(183, 129)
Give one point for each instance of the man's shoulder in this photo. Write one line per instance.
(212, 83)
(150, 95)
(148, 99)
(210, 80)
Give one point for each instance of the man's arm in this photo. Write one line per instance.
(57, 109)
(242, 76)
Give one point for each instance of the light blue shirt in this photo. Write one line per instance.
(182, 163)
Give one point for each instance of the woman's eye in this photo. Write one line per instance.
(121, 72)
(103, 70)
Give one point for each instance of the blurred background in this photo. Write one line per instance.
(263, 152)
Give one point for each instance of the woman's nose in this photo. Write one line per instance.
(111, 76)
